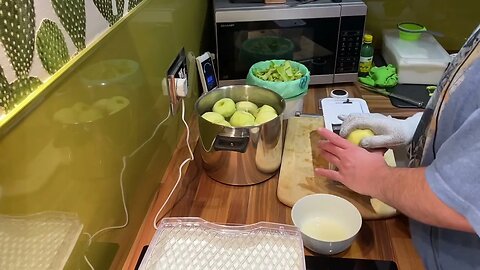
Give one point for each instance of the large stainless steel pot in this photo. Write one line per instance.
(246, 155)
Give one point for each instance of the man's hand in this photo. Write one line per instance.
(358, 169)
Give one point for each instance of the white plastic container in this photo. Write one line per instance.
(293, 105)
(418, 62)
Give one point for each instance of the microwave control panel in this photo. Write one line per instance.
(349, 44)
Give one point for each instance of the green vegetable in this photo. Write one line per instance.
(279, 73)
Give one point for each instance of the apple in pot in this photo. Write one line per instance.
(242, 119)
(225, 106)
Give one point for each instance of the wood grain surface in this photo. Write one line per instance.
(201, 196)
(301, 156)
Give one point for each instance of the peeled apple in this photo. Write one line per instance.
(357, 135)
(382, 208)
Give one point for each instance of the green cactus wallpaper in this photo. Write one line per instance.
(91, 135)
(73, 17)
(26, 36)
(51, 46)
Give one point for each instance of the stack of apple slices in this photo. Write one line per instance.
(83, 113)
(226, 112)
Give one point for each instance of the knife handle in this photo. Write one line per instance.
(419, 104)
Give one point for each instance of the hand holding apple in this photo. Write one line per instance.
(357, 135)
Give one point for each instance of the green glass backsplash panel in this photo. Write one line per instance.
(455, 19)
(48, 164)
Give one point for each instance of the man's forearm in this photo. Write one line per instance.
(407, 190)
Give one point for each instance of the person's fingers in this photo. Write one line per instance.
(378, 141)
(327, 146)
(330, 158)
(329, 174)
(343, 117)
(334, 138)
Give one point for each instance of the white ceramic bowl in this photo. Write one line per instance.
(328, 223)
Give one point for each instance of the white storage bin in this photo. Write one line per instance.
(421, 61)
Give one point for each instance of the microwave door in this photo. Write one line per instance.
(242, 44)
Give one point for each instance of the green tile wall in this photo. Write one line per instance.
(455, 19)
(46, 166)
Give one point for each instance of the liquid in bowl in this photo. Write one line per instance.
(324, 229)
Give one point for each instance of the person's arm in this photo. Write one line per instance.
(405, 189)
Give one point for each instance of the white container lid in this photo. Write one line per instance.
(421, 61)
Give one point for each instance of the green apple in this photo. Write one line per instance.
(116, 103)
(66, 116)
(225, 123)
(91, 114)
(213, 117)
(247, 106)
(265, 108)
(357, 135)
(242, 119)
(101, 104)
(264, 116)
(225, 107)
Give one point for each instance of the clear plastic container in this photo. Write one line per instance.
(419, 62)
(39, 241)
(193, 243)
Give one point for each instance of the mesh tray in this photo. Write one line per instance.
(39, 241)
(193, 243)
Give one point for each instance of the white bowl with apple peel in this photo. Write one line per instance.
(329, 224)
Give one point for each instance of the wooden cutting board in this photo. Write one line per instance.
(300, 157)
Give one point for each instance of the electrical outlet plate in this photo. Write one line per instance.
(178, 70)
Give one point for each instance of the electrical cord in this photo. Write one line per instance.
(124, 161)
(157, 215)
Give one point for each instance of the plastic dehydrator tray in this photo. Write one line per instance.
(39, 241)
(193, 243)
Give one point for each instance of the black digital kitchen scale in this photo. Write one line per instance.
(329, 263)
(332, 263)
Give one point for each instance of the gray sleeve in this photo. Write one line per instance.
(454, 176)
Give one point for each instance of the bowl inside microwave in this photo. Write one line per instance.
(263, 48)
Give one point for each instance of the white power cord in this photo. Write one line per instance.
(179, 169)
(124, 161)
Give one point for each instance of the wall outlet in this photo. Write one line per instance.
(178, 70)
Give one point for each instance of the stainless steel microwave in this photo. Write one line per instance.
(323, 35)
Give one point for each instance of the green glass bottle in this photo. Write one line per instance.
(366, 56)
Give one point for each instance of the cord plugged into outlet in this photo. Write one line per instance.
(177, 80)
(181, 87)
(180, 172)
